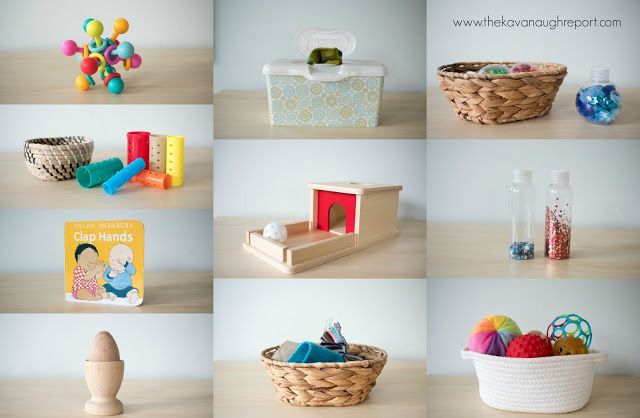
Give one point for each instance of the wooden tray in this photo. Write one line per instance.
(305, 247)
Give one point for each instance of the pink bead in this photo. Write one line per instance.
(69, 47)
(136, 61)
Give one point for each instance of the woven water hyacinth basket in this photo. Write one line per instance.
(500, 98)
(53, 159)
(548, 385)
(326, 384)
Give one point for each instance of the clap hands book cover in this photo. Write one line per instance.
(104, 262)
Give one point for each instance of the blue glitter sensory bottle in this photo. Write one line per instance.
(598, 101)
(523, 197)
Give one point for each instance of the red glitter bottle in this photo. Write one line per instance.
(557, 222)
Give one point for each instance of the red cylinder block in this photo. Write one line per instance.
(152, 179)
(138, 147)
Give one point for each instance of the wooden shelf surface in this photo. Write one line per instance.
(166, 76)
(243, 389)
(562, 121)
(401, 257)
(449, 396)
(482, 251)
(245, 115)
(152, 398)
(44, 293)
(25, 191)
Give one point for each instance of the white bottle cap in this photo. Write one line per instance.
(600, 74)
(522, 176)
(559, 176)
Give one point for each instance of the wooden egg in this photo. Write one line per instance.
(104, 348)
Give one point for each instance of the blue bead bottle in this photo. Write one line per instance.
(598, 101)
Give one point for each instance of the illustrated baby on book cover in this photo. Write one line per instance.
(104, 262)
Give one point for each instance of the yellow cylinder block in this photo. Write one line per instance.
(175, 159)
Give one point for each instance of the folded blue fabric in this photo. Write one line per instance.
(308, 352)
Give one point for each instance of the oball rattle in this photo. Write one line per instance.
(570, 325)
(100, 55)
(493, 334)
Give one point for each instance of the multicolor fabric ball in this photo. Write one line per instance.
(493, 334)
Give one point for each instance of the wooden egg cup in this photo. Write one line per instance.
(103, 380)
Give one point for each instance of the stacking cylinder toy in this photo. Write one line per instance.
(175, 159)
(97, 173)
(158, 153)
(138, 147)
(153, 179)
(121, 177)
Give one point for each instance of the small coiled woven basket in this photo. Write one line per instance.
(500, 98)
(53, 159)
(326, 384)
(549, 385)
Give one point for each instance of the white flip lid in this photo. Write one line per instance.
(313, 38)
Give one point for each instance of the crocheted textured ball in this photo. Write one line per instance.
(529, 346)
(493, 334)
(275, 231)
(566, 346)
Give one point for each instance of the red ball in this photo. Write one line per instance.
(89, 66)
(529, 346)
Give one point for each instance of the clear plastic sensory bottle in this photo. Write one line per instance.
(523, 197)
(598, 100)
(557, 223)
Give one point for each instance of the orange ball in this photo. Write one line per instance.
(121, 26)
(565, 346)
(82, 83)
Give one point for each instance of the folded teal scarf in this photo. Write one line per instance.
(308, 352)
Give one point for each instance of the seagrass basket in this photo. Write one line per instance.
(53, 159)
(500, 98)
(326, 384)
(550, 385)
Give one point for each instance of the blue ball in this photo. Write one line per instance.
(115, 85)
(125, 50)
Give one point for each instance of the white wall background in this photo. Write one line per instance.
(251, 33)
(269, 178)
(251, 315)
(152, 346)
(468, 181)
(175, 240)
(610, 306)
(578, 49)
(107, 125)
(45, 24)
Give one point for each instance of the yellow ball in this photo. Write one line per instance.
(121, 25)
(95, 28)
(82, 83)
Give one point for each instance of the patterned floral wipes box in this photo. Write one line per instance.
(325, 95)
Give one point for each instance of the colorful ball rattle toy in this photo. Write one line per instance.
(101, 54)
(493, 334)
(570, 325)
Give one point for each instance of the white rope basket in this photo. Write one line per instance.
(547, 385)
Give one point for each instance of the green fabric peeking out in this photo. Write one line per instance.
(325, 56)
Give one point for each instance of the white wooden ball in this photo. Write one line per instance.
(275, 231)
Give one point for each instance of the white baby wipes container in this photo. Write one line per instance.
(549, 385)
(325, 95)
